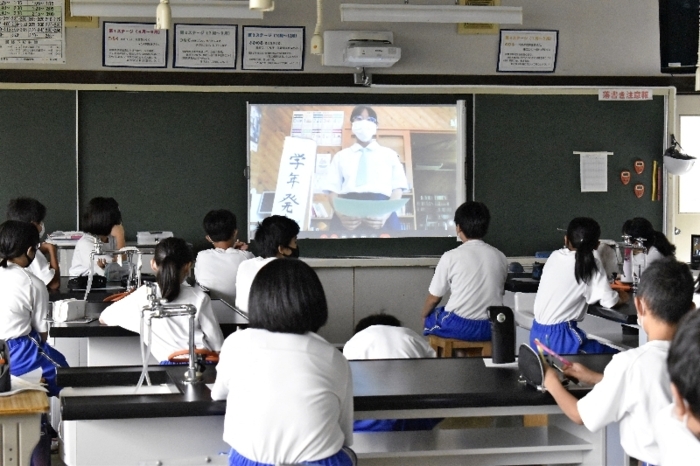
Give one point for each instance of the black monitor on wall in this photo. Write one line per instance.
(695, 251)
(678, 32)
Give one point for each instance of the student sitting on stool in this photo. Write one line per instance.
(475, 274)
(635, 385)
(216, 269)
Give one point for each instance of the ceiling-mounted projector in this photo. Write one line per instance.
(371, 53)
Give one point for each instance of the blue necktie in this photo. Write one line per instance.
(362, 168)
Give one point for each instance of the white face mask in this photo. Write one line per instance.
(43, 231)
(364, 130)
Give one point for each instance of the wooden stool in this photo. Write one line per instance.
(444, 347)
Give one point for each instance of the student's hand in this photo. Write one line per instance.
(240, 245)
(624, 297)
(551, 378)
(376, 222)
(350, 223)
(582, 374)
(102, 263)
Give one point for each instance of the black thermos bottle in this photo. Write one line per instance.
(502, 334)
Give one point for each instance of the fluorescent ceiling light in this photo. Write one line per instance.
(180, 9)
(406, 13)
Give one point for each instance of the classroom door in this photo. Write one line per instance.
(685, 217)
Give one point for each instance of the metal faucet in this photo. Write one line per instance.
(629, 245)
(158, 309)
(134, 279)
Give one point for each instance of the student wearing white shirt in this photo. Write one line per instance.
(635, 385)
(572, 278)
(275, 238)
(655, 242)
(677, 426)
(475, 275)
(216, 269)
(381, 336)
(172, 261)
(24, 305)
(366, 171)
(288, 392)
(26, 209)
(102, 222)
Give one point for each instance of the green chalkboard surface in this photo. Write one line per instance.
(526, 172)
(37, 152)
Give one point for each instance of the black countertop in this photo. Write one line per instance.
(378, 385)
(625, 314)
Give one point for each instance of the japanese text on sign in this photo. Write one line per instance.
(294, 179)
(273, 48)
(527, 51)
(32, 31)
(205, 46)
(625, 94)
(134, 45)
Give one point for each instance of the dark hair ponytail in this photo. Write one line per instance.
(15, 240)
(663, 245)
(171, 255)
(583, 234)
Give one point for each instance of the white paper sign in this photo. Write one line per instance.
(273, 48)
(625, 94)
(32, 31)
(527, 51)
(137, 45)
(594, 171)
(293, 193)
(326, 128)
(205, 46)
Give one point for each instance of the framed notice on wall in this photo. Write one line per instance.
(273, 48)
(134, 45)
(527, 51)
(32, 31)
(211, 46)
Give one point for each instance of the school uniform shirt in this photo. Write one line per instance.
(170, 334)
(387, 342)
(677, 445)
(634, 388)
(641, 261)
(560, 298)
(384, 171)
(41, 269)
(288, 396)
(244, 279)
(80, 265)
(475, 275)
(24, 302)
(608, 257)
(216, 270)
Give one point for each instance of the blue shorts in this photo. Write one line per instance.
(393, 425)
(345, 457)
(447, 324)
(567, 338)
(28, 353)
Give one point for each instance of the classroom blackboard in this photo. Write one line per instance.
(526, 172)
(37, 152)
(169, 157)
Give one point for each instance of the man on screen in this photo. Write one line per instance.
(365, 171)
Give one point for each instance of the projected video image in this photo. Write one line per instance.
(364, 171)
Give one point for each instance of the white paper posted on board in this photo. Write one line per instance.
(594, 171)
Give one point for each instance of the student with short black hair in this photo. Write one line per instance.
(572, 278)
(24, 303)
(216, 269)
(635, 385)
(474, 273)
(102, 221)
(302, 406)
(677, 426)
(27, 209)
(172, 261)
(656, 244)
(275, 238)
(381, 336)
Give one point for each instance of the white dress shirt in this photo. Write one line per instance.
(387, 342)
(385, 171)
(24, 302)
(41, 269)
(81, 256)
(475, 275)
(216, 269)
(634, 388)
(288, 396)
(244, 279)
(560, 298)
(677, 445)
(172, 333)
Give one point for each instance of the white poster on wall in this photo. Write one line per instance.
(273, 48)
(527, 51)
(205, 46)
(134, 45)
(32, 31)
